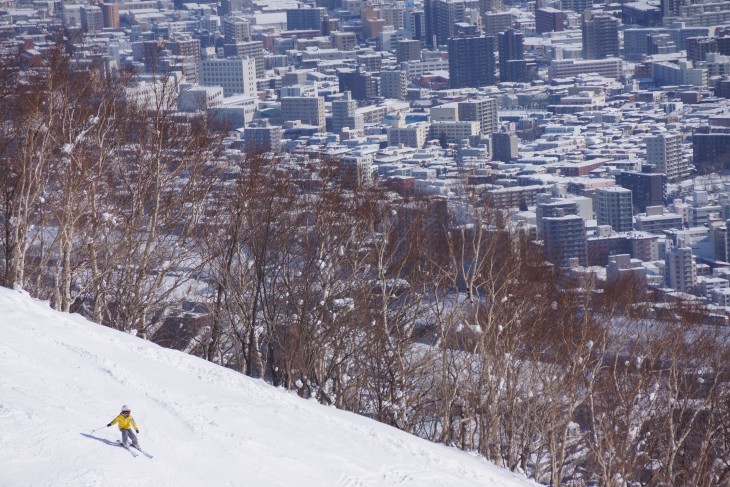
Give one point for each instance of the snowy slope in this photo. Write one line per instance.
(62, 376)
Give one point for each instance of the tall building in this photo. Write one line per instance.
(559, 207)
(344, 114)
(252, 49)
(548, 19)
(665, 152)
(521, 70)
(415, 24)
(711, 149)
(230, 6)
(371, 22)
(577, 6)
(393, 15)
(92, 18)
(307, 109)
(723, 43)
(183, 45)
(482, 110)
(235, 76)
(504, 146)
(371, 62)
(680, 270)
(670, 8)
(110, 11)
(442, 17)
(641, 14)
(614, 208)
(680, 73)
(565, 239)
(722, 88)
(362, 85)
(446, 14)
(260, 137)
(497, 22)
(344, 41)
(236, 30)
(490, 6)
(408, 50)
(356, 170)
(638, 42)
(600, 36)
(471, 62)
(428, 23)
(394, 84)
(510, 49)
(719, 237)
(305, 18)
(699, 47)
(648, 189)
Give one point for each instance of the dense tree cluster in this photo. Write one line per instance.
(436, 317)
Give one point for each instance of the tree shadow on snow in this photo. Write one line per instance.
(103, 440)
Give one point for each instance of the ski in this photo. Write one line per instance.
(142, 452)
(127, 448)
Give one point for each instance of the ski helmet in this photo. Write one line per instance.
(125, 409)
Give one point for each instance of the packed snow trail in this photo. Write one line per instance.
(62, 376)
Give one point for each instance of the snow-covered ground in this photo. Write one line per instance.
(62, 376)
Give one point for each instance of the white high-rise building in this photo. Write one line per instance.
(344, 114)
(394, 84)
(482, 110)
(308, 109)
(665, 152)
(680, 269)
(235, 76)
(614, 208)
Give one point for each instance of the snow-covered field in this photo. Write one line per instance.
(62, 376)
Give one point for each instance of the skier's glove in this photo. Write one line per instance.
(108, 425)
(137, 431)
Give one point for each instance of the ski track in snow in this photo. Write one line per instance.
(62, 377)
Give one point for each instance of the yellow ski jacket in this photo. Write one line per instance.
(125, 423)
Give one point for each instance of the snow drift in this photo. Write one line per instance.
(62, 376)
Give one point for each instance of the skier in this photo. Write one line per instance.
(126, 421)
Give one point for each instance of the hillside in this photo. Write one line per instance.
(62, 376)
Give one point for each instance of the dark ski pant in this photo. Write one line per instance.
(129, 434)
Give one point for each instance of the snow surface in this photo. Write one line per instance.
(62, 376)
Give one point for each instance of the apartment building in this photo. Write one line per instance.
(235, 76)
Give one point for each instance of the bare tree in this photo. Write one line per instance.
(162, 177)
(27, 147)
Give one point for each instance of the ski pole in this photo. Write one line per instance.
(97, 429)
